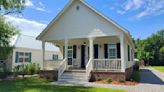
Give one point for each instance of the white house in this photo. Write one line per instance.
(28, 50)
(90, 42)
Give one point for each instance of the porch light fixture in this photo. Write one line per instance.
(84, 43)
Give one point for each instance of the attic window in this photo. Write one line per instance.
(77, 7)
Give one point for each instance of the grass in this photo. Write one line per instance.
(135, 76)
(37, 85)
(159, 68)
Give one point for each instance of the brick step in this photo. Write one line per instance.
(73, 76)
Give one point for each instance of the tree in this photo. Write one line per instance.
(7, 31)
(151, 49)
(11, 6)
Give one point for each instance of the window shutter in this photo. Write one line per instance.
(74, 51)
(96, 51)
(118, 50)
(30, 57)
(17, 57)
(53, 57)
(128, 53)
(57, 57)
(105, 51)
(63, 52)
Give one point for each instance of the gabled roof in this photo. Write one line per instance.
(29, 42)
(91, 8)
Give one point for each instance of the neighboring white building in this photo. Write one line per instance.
(28, 50)
(90, 41)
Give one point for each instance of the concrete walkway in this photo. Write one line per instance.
(151, 81)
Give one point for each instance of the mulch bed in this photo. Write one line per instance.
(129, 83)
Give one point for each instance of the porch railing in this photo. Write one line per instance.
(51, 65)
(89, 68)
(62, 67)
(107, 64)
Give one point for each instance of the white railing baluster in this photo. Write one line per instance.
(107, 64)
(89, 68)
(62, 67)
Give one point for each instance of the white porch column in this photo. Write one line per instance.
(66, 49)
(43, 53)
(122, 44)
(91, 48)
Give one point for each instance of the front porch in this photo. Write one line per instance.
(90, 54)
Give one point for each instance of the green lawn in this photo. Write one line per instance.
(160, 68)
(36, 85)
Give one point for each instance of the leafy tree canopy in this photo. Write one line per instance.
(151, 49)
(7, 31)
(11, 6)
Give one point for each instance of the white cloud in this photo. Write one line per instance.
(153, 8)
(39, 7)
(120, 12)
(29, 3)
(143, 7)
(28, 27)
(133, 4)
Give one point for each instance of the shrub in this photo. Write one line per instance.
(4, 72)
(3, 75)
(32, 69)
(26, 69)
(136, 66)
(121, 80)
(135, 76)
(109, 80)
(16, 71)
(23, 70)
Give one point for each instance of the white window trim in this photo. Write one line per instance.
(22, 56)
(72, 53)
(110, 57)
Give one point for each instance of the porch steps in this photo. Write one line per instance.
(73, 76)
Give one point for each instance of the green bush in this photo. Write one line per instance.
(26, 69)
(109, 80)
(135, 76)
(121, 80)
(136, 66)
(3, 75)
(4, 72)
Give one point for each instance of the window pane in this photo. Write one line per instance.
(21, 54)
(27, 54)
(69, 47)
(112, 51)
(20, 59)
(69, 61)
(27, 60)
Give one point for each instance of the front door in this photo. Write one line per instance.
(82, 56)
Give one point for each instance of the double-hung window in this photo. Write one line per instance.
(55, 57)
(70, 55)
(112, 51)
(23, 57)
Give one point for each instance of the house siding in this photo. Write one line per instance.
(36, 57)
(73, 24)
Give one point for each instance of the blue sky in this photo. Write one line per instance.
(140, 17)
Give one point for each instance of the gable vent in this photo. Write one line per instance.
(77, 7)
